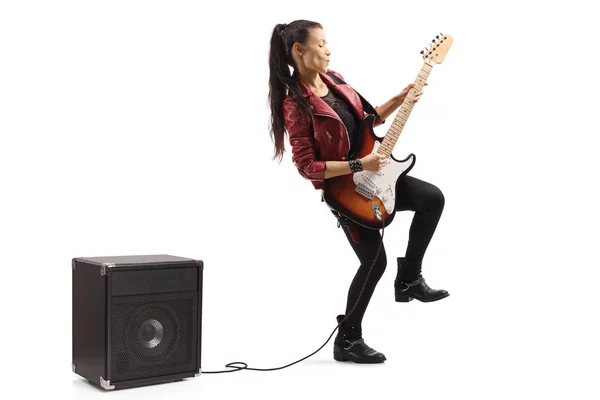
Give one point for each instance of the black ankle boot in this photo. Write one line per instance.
(350, 346)
(410, 284)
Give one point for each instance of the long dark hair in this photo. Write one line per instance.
(280, 80)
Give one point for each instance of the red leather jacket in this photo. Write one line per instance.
(325, 138)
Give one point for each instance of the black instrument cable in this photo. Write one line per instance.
(242, 365)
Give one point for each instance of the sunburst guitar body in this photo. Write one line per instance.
(358, 195)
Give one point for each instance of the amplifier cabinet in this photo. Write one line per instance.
(137, 320)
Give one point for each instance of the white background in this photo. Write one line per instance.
(141, 127)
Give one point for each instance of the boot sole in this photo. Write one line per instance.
(338, 355)
(403, 298)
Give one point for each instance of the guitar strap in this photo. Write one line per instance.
(348, 223)
(366, 105)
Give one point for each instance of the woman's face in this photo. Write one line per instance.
(314, 55)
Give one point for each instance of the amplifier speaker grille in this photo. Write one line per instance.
(152, 335)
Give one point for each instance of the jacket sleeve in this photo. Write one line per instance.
(302, 140)
(378, 120)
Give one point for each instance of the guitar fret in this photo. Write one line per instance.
(395, 130)
(413, 98)
(399, 117)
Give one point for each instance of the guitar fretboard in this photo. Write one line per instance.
(391, 137)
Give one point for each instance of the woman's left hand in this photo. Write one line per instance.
(402, 95)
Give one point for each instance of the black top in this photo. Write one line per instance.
(343, 109)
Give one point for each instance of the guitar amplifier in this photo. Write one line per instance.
(137, 320)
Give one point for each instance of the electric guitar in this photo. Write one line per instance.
(368, 197)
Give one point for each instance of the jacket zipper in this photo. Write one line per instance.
(344, 126)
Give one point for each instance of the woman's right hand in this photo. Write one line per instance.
(374, 162)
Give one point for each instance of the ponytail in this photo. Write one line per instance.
(281, 80)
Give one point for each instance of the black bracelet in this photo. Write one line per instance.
(359, 165)
(356, 165)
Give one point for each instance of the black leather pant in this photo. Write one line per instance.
(427, 201)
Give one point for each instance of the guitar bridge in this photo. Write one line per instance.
(365, 191)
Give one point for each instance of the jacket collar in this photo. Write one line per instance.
(321, 107)
(306, 91)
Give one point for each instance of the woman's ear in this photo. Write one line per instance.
(297, 48)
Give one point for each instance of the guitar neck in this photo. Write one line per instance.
(391, 137)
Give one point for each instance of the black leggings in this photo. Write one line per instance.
(427, 201)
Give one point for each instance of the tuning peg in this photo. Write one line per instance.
(422, 51)
(437, 36)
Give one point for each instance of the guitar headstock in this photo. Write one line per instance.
(437, 49)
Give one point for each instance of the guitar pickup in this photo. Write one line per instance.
(365, 191)
(368, 180)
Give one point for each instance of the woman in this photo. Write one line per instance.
(322, 119)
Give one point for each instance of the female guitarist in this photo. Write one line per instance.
(322, 119)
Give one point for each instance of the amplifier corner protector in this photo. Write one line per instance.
(105, 268)
(106, 384)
